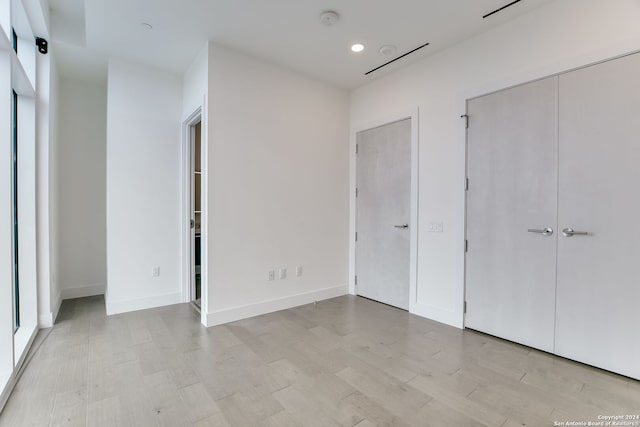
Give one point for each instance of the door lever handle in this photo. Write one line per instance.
(544, 231)
(568, 232)
(403, 226)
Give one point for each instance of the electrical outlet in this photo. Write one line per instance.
(155, 272)
(272, 275)
(283, 273)
(299, 271)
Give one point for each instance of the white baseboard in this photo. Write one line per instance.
(124, 306)
(45, 320)
(232, 314)
(7, 381)
(56, 307)
(437, 314)
(48, 319)
(83, 291)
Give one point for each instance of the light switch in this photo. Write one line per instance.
(436, 227)
(155, 272)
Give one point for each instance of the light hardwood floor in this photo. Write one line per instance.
(343, 362)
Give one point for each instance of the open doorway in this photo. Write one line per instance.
(196, 209)
(194, 212)
(193, 208)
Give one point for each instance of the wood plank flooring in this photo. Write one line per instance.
(342, 362)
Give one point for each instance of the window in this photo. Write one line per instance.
(14, 174)
(18, 168)
(14, 40)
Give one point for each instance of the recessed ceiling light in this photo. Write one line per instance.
(357, 48)
(146, 26)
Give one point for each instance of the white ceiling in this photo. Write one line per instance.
(285, 32)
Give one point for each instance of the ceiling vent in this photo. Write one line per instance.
(501, 9)
(395, 59)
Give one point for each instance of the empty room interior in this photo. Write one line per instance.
(319, 213)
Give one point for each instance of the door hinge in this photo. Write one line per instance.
(466, 184)
(356, 191)
(465, 307)
(466, 246)
(466, 120)
(356, 236)
(356, 148)
(356, 280)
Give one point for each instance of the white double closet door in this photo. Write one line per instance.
(553, 215)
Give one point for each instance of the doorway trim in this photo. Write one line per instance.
(198, 116)
(412, 114)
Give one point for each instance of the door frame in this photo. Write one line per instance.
(412, 114)
(198, 116)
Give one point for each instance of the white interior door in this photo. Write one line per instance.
(511, 201)
(383, 211)
(598, 281)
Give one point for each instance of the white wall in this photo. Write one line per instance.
(556, 37)
(195, 83)
(278, 187)
(55, 294)
(143, 187)
(47, 88)
(82, 189)
(45, 80)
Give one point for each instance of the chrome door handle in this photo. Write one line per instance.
(545, 231)
(403, 226)
(568, 232)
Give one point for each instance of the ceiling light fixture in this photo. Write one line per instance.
(329, 18)
(357, 48)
